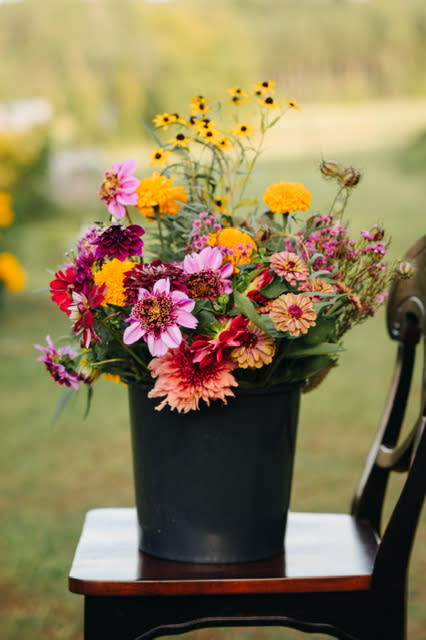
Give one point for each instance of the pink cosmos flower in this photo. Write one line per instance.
(207, 275)
(184, 383)
(60, 364)
(119, 187)
(157, 315)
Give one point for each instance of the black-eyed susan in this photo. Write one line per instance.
(223, 143)
(269, 102)
(180, 140)
(292, 104)
(243, 130)
(221, 203)
(163, 120)
(209, 135)
(175, 118)
(238, 95)
(199, 105)
(267, 86)
(159, 157)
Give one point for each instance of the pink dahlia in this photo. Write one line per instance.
(207, 275)
(156, 317)
(119, 187)
(184, 382)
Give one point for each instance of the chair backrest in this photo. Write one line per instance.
(406, 323)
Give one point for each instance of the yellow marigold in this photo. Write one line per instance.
(159, 191)
(256, 350)
(113, 377)
(285, 197)
(237, 246)
(112, 275)
(12, 273)
(6, 213)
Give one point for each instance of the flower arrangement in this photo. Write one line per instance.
(224, 290)
(12, 274)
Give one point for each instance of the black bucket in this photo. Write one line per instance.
(214, 485)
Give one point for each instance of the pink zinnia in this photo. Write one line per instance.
(157, 315)
(207, 275)
(289, 266)
(119, 187)
(184, 382)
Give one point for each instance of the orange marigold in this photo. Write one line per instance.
(285, 197)
(238, 246)
(159, 191)
(112, 275)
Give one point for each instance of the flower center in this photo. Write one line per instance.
(295, 311)
(154, 312)
(204, 284)
(109, 186)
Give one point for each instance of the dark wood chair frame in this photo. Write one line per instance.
(172, 598)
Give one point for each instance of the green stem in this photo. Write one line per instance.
(123, 345)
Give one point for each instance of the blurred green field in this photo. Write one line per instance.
(50, 476)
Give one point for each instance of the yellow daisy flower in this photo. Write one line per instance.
(112, 275)
(6, 213)
(243, 130)
(286, 197)
(220, 204)
(180, 140)
(12, 273)
(238, 95)
(199, 105)
(163, 120)
(292, 104)
(223, 143)
(267, 86)
(269, 102)
(159, 157)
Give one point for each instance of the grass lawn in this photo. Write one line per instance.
(50, 476)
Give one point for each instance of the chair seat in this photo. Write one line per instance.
(323, 552)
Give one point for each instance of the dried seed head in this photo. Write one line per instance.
(330, 168)
(350, 177)
(405, 269)
(377, 232)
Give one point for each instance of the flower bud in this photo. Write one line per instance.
(330, 168)
(350, 177)
(405, 269)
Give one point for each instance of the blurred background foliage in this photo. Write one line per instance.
(78, 81)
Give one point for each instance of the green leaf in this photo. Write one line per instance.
(246, 307)
(64, 397)
(298, 349)
(323, 331)
(275, 289)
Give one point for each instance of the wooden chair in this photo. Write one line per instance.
(342, 575)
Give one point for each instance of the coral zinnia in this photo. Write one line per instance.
(257, 349)
(294, 313)
(111, 274)
(156, 318)
(285, 197)
(119, 187)
(289, 266)
(159, 191)
(184, 383)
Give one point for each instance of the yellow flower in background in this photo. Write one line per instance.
(112, 275)
(159, 191)
(292, 104)
(243, 130)
(238, 246)
(114, 377)
(269, 102)
(285, 197)
(12, 273)
(238, 95)
(6, 212)
(180, 140)
(199, 105)
(223, 143)
(163, 120)
(159, 157)
(267, 86)
(220, 204)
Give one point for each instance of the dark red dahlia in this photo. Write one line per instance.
(144, 276)
(119, 242)
(62, 286)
